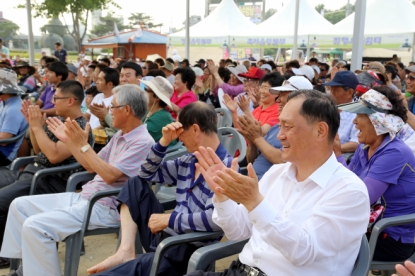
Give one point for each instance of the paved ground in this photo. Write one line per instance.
(98, 248)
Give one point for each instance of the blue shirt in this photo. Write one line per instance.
(61, 55)
(392, 163)
(13, 122)
(261, 164)
(347, 131)
(194, 208)
(5, 51)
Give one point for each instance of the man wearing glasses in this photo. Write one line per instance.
(36, 223)
(51, 152)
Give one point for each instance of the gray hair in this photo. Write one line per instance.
(134, 96)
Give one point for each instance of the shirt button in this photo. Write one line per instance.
(298, 189)
(254, 221)
(256, 261)
(221, 209)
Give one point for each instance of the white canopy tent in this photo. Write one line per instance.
(388, 25)
(278, 30)
(383, 17)
(282, 23)
(215, 30)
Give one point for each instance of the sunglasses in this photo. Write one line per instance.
(323, 70)
(144, 67)
(411, 78)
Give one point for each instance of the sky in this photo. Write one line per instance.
(169, 12)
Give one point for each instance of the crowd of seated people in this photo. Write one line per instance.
(323, 143)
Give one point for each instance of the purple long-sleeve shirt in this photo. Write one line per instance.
(231, 90)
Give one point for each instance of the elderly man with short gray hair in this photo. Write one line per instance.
(36, 223)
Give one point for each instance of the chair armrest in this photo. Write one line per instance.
(13, 139)
(21, 161)
(91, 201)
(180, 239)
(51, 171)
(75, 178)
(385, 223)
(206, 255)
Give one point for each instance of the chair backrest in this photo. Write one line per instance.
(224, 117)
(362, 264)
(232, 141)
(220, 98)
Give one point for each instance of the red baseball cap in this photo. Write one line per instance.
(253, 73)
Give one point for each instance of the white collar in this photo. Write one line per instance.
(321, 176)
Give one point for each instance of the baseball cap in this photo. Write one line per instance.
(161, 87)
(292, 84)
(72, 68)
(304, 70)
(253, 73)
(266, 66)
(315, 68)
(344, 78)
(201, 61)
(240, 69)
(367, 80)
(198, 71)
(168, 66)
(377, 67)
(88, 58)
(410, 69)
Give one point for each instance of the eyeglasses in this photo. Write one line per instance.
(144, 67)
(323, 70)
(118, 106)
(411, 78)
(62, 98)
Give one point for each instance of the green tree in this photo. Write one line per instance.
(8, 29)
(334, 16)
(270, 13)
(138, 18)
(79, 10)
(107, 25)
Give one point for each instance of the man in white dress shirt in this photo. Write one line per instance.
(305, 217)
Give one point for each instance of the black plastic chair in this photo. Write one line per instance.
(204, 257)
(387, 267)
(74, 242)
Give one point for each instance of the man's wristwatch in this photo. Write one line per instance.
(85, 148)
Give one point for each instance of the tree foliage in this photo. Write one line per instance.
(107, 25)
(79, 10)
(270, 13)
(8, 29)
(138, 18)
(336, 15)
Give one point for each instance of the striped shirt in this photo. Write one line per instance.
(124, 152)
(194, 208)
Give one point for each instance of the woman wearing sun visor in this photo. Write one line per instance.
(386, 165)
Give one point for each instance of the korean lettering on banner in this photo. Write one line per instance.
(265, 41)
(198, 41)
(373, 40)
(346, 40)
